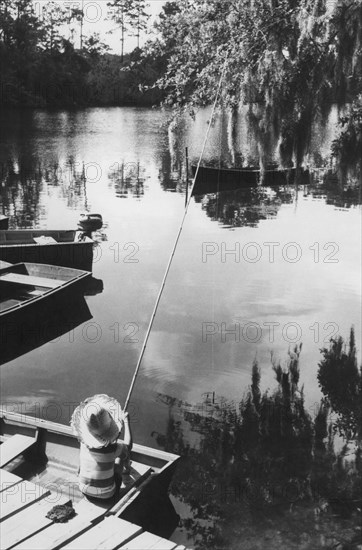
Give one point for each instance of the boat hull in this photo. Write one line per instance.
(32, 291)
(211, 180)
(61, 248)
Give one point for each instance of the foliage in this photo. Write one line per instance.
(347, 147)
(341, 382)
(264, 461)
(288, 59)
(40, 67)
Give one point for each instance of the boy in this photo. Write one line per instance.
(97, 423)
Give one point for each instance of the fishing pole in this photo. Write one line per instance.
(145, 341)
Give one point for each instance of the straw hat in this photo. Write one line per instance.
(98, 420)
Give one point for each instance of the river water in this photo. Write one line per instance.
(255, 273)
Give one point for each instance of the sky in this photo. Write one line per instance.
(95, 21)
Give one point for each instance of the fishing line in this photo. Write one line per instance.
(181, 226)
(175, 243)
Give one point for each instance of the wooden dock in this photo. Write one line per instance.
(24, 525)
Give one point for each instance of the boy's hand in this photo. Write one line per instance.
(124, 417)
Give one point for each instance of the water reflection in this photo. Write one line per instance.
(245, 207)
(43, 152)
(47, 326)
(127, 179)
(24, 179)
(255, 467)
(328, 185)
(58, 151)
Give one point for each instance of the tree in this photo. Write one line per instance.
(78, 15)
(128, 15)
(288, 59)
(140, 18)
(54, 17)
(94, 46)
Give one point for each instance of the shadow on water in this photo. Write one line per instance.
(35, 331)
(266, 472)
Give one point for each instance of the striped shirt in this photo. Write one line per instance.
(96, 472)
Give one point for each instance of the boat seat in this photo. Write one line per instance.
(8, 479)
(30, 280)
(13, 447)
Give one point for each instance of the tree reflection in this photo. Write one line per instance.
(266, 472)
(329, 185)
(127, 179)
(248, 206)
(20, 188)
(245, 207)
(23, 178)
(341, 382)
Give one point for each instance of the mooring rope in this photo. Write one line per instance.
(175, 244)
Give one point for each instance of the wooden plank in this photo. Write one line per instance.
(132, 491)
(19, 496)
(7, 304)
(7, 479)
(30, 280)
(13, 447)
(164, 544)
(26, 523)
(139, 468)
(58, 534)
(146, 540)
(106, 535)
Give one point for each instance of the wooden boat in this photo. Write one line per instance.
(28, 290)
(55, 247)
(4, 222)
(210, 179)
(39, 463)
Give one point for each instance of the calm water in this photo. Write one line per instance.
(255, 272)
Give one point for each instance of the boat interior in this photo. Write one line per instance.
(22, 282)
(28, 236)
(39, 466)
(40, 454)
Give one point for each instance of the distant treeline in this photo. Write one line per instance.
(293, 58)
(39, 67)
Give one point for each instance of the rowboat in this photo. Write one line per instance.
(39, 463)
(67, 248)
(210, 179)
(4, 222)
(28, 290)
